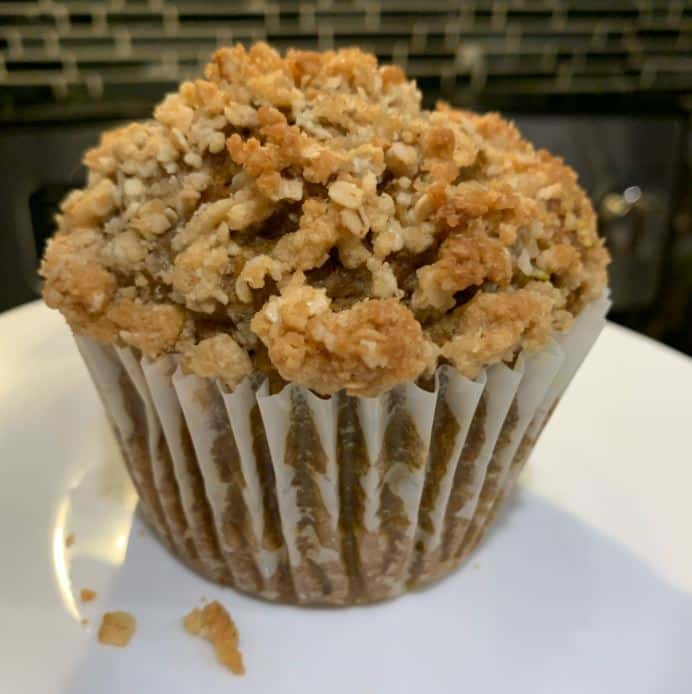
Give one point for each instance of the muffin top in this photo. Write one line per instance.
(303, 216)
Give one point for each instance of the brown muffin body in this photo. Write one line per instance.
(305, 217)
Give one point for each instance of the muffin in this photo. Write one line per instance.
(326, 324)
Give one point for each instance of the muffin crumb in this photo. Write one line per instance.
(70, 540)
(218, 357)
(117, 629)
(213, 623)
(87, 595)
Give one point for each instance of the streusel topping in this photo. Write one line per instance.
(304, 215)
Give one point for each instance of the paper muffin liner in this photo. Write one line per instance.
(298, 498)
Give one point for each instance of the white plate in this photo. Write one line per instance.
(585, 586)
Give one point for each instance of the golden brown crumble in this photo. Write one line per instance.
(218, 356)
(213, 623)
(87, 595)
(307, 208)
(117, 629)
(70, 540)
(373, 345)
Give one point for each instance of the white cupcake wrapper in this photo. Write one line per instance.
(147, 453)
(338, 500)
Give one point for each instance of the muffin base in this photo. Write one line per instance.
(340, 500)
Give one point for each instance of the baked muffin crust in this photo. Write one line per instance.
(304, 215)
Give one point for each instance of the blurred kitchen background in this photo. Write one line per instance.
(605, 84)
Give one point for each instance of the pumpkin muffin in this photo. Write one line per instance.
(297, 234)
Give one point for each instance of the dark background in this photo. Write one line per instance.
(607, 85)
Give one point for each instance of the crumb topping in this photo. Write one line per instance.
(117, 629)
(305, 208)
(213, 623)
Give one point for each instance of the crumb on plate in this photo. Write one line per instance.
(117, 629)
(213, 623)
(70, 540)
(87, 595)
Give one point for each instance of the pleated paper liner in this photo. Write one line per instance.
(340, 500)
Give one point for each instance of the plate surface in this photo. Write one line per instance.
(584, 586)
